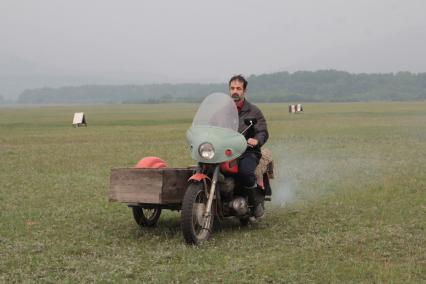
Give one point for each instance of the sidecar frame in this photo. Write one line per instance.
(161, 188)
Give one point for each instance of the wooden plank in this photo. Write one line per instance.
(154, 186)
(175, 182)
(136, 185)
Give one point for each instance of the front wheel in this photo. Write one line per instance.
(196, 227)
(146, 217)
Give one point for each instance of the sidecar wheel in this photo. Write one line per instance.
(196, 228)
(244, 221)
(146, 217)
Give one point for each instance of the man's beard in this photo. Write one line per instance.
(236, 97)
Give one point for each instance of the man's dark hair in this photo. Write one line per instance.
(239, 78)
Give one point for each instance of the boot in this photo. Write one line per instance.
(259, 201)
(257, 198)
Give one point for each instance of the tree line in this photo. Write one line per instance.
(301, 86)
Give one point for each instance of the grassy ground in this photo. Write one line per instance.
(349, 200)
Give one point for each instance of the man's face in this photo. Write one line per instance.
(236, 90)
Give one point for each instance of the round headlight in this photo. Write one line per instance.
(206, 151)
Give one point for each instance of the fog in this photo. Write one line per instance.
(55, 43)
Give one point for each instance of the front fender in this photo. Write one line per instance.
(199, 177)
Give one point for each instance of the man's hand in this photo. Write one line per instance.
(251, 142)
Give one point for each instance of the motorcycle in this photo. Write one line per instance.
(214, 191)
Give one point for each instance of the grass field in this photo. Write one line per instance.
(349, 198)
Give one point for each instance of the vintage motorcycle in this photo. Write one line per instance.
(214, 192)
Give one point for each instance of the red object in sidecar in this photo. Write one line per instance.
(151, 163)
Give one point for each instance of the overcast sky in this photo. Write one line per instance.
(207, 41)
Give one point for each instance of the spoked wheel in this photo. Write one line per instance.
(146, 217)
(196, 227)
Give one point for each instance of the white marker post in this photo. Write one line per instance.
(79, 119)
(295, 108)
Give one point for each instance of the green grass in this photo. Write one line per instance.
(349, 198)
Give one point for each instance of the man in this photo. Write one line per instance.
(256, 136)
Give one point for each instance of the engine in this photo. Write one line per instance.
(236, 205)
(239, 205)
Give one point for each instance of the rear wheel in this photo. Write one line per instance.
(146, 217)
(196, 227)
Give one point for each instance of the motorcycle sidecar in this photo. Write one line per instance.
(148, 191)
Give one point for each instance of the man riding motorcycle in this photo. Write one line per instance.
(256, 137)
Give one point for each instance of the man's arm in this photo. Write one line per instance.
(261, 128)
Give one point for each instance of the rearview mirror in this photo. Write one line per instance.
(250, 121)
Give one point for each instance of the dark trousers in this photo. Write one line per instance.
(246, 169)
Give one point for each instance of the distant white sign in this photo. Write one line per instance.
(295, 108)
(79, 119)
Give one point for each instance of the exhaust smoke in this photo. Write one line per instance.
(306, 177)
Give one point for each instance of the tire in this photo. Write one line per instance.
(146, 217)
(192, 219)
(244, 221)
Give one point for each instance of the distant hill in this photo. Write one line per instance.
(18, 74)
(302, 86)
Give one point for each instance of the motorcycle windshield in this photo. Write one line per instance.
(217, 110)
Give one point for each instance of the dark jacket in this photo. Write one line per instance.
(259, 131)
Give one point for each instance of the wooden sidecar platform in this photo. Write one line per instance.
(151, 188)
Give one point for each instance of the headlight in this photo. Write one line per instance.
(206, 151)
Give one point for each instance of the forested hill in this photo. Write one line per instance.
(302, 86)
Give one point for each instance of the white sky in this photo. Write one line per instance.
(207, 41)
